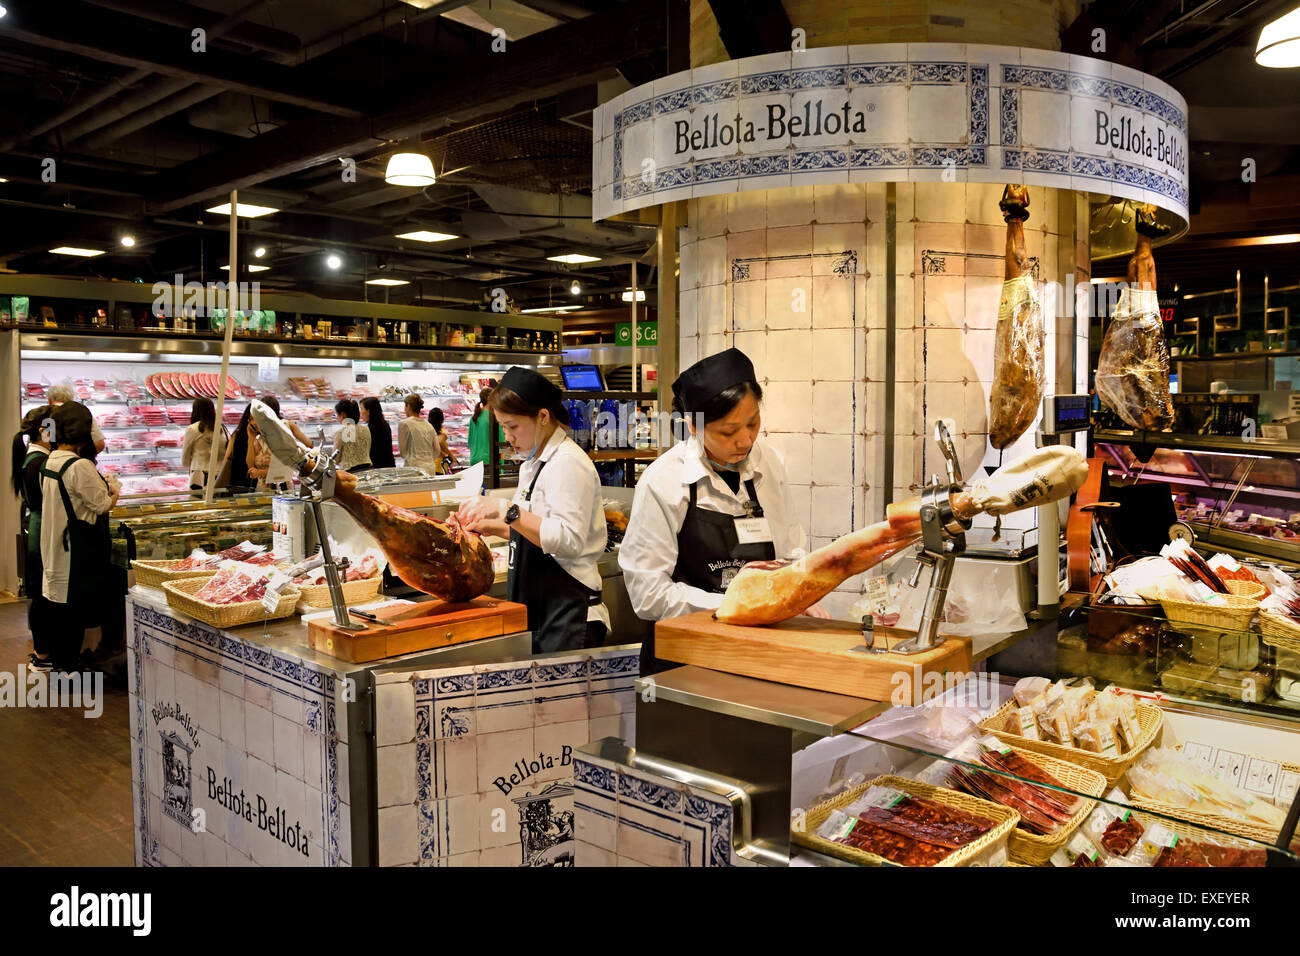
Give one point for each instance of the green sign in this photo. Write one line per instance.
(378, 366)
(647, 334)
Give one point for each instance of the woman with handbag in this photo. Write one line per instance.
(30, 449)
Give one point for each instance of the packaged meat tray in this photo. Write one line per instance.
(896, 821)
(182, 595)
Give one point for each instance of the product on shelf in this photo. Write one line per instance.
(1018, 376)
(245, 551)
(903, 828)
(1042, 811)
(1074, 716)
(235, 583)
(360, 567)
(1167, 776)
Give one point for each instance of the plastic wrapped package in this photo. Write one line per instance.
(1018, 373)
(1133, 370)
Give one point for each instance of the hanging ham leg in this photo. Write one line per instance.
(438, 558)
(767, 592)
(1018, 375)
(1133, 370)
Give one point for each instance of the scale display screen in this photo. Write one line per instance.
(582, 378)
(1065, 413)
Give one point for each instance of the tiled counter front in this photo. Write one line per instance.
(638, 818)
(236, 755)
(475, 764)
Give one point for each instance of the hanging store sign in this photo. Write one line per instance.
(954, 112)
(647, 334)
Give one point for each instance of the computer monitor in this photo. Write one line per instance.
(582, 378)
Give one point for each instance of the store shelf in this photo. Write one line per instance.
(1220, 444)
(1220, 356)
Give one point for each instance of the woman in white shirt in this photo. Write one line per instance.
(555, 522)
(352, 440)
(197, 447)
(416, 439)
(710, 504)
(75, 550)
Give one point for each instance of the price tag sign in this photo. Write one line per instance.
(273, 588)
(361, 370)
(1293, 403)
(268, 369)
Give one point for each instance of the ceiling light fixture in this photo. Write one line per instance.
(387, 282)
(575, 289)
(259, 252)
(410, 169)
(1279, 42)
(552, 308)
(127, 241)
(3, 11)
(245, 209)
(333, 261)
(3, 180)
(572, 258)
(251, 267)
(76, 251)
(640, 295)
(424, 235)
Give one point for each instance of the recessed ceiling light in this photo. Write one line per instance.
(553, 308)
(75, 251)
(245, 209)
(425, 235)
(409, 169)
(640, 295)
(250, 267)
(333, 261)
(572, 257)
(127, 241)
(387, 282)
(259, 252)
(3, 180)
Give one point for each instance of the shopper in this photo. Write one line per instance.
(480, 430)
(234, 475)
(60, 394)
(416, 438)
(196, 450)
(352, 441)
(556, 521)
(381, 434)
(710, 504)
(75, 551)
(31, 447)
(446, 460)
(270, 472)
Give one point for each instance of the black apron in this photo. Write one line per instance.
(557, 602)
(709, 554)
(90, 550)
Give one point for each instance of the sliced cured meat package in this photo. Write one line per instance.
(1133, 369)
(1018, 368)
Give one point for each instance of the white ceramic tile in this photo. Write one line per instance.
(595, 820)
(831, 405)
(790, 207)
(833, 303)
(795, 451)
(833, 354)
(232, 719)
(709, 217)
(256, 689)
(789, 303)
(259, 734)
(498, 820)
(790, 408)
(712, 267)
(313, 760)
(832, 459)
(557, 742)
(612, 698)
(830, 510)
(288, 746)
(712, 317)
(398, 835)
(504, 710)
(789, 356)
(341, 755)
(205, 670)
(498, 753)
(453, 825)
(394, 713)
(454, 767)
(746, 210)
(395, 774)
(590, 855)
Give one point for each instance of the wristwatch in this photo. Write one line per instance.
(511, 514)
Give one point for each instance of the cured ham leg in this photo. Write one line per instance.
(767, 592)
(1018, 376)
(1133, 369)
(438, 558)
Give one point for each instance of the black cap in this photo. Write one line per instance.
(531, 386)
(711, 376)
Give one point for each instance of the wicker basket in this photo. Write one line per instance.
(1005, 818)
(1150, 720)
(180, 595)
(1279, 631)
(1035, 850)
(354, 592)
(1252, 590)
(1236, 615)
(154, 573)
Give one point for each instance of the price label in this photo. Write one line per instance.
(268, 369)
(273, 588)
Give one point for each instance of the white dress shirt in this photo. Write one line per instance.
(90, 499)
(648, 553)
(568, 500)
(196, 449)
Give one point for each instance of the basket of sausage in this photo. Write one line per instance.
(1049, 794)
(231, 597)
(894, 821)
(1102, 731)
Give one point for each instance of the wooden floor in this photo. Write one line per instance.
(65, 780)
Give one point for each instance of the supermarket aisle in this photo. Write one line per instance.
(65, 780)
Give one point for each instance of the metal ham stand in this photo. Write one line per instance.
(943, 538)
(316, 487)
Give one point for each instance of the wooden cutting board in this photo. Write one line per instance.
(807, 652)
(418, 627)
